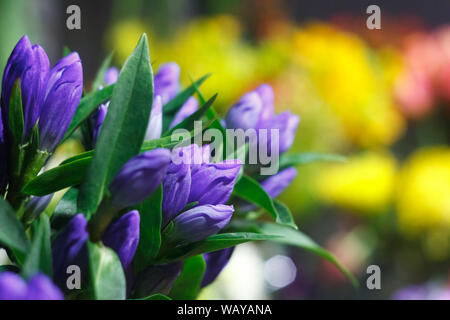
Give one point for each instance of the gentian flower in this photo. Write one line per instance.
(213, 183)
(154, 128)
(39, 287)
(276, 184)
(188, 108)
(166, 82)
(246, 113)
(69, 247)
(215, 262)
(139, 177)
(199, 223)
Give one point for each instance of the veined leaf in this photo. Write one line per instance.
(150, 212)
(124, 127)
(12, 232)
(88, 104)
(187, 285)
(107, 279)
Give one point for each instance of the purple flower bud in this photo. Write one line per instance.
(62, 95)
(215, 262)
(98, 119)
(188, 108)
(276, 184)
(139, 177)
(265, 92)
(192, 155)
(199, 223)
(123, 237)
(287, 123)
(176, 188)
(111, 75)
(246, 113)
(39, 287)
(69, 248)
(154, 128)
(35, 207)
(213, 183)
(157, 279)
(167, 81)
(18, 62)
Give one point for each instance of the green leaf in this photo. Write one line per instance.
(88, 104)
(65, 209)
(249, 189)
(124, 127)
(288, 160)
(12, 232)
(150, 212)
(187, 286)
(66, 51)
(188, 123)
(100, 77)
(214, 243)
(156, 296)
(107, 279)
(61, 177)
(39, 258)
(284, 214)
(289, 236)
(16, 122)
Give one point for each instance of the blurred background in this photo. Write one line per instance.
(380, 97)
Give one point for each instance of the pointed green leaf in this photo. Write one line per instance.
(187, 286)
(12, 232)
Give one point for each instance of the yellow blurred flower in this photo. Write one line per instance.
(423, 196)
(352, 79)
(365, 184)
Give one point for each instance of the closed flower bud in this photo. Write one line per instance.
(215, 262)
(287, 123)
(154, 128)
(246, 113)
(139, 177)
(199, 223)
(167, 81)
(176, 187)
(212, 183)
(39, 287)
(62, 95)
(276, 184)
(98, 119)
(123, 237)
(188, 108)
(265, 92)
(35, 207)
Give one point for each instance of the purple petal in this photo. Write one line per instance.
(215, 262)
(154, 128)
(199, 223)
(123, 237)
(287, 123)
(176, 188)
(62, 96)
(276, 184)
(192, 155)
(265, 91)
(98, 119)
(111, 75)
(36, 206)
(69, 248)
(245, 114)
(12, 286)
(139, 177)
(40, 287)
(188, 108)
(213, 183)
(167, 81)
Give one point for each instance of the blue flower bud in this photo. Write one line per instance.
(215, 262)
(167, 81)
(139, 177)
(154, 128)
(188, 108)
(63, 93)
(287, 123)
(35, 207)
(276, 184)
(265, 92)
(98, 118)
(212, 183)
(123, 237)
(39, 287)
(199, 223)
(246, 113)
(176, 187)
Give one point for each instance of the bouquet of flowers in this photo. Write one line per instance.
(155, 205)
